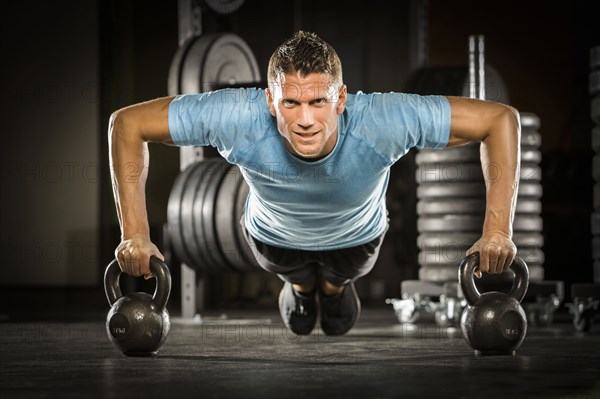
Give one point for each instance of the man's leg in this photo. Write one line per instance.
(297, 299)
(339, 302)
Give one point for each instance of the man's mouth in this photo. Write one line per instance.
(306, 135)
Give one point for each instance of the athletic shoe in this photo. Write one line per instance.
(298, 311)
(339, 312)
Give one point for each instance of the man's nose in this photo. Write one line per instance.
(305, 117)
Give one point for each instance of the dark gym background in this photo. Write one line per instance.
(68, 64)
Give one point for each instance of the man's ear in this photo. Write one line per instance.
(270, 101)
(342, 96)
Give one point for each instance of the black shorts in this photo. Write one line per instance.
(337, 266)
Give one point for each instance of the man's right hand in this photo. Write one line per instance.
(133, 255)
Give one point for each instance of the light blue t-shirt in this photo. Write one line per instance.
(335, 202)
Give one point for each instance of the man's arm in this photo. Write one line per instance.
(129, 131)
(497, 127)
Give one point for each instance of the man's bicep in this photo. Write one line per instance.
(471, 119)
(149, 120)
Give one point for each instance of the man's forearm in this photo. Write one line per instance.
(128, 161)
(500, 160)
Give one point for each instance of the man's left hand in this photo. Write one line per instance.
(496, 252)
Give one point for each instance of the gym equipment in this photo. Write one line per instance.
(470, 189)
(494, 323)
(138, 323)
(586, 299)
(204, 210)
(454, 81)
(210, 62)
(421, 299)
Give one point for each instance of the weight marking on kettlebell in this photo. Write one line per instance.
(118, 325)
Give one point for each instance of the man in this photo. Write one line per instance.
(317, 162)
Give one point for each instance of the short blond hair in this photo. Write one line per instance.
(306, 53)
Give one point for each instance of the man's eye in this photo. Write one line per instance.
(288, 103)
(320, 101)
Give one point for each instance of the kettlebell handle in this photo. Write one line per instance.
(467, 281)
(157, 267)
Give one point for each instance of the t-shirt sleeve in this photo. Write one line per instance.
(398, 122)
(226, 119)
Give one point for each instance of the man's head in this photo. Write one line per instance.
(306, 94)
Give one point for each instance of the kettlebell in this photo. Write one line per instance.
(138, 323)
(493, 323)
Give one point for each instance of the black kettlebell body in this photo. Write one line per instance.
(494, 323)
(138, 323)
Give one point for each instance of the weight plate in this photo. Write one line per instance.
(423, 288)
(444, 274)
(596, 272)
(530, 172)
(451, 256)
(531, 190)
(466, 172)
(596, 138)
(218, 60)
(595, 57)
(451, 206)
(206, 213)
(440, 240)
(449, 223)
(472, 206)
(465, 223)
(454, 81)
(444, 190)
(495, 88)
(449, 172)
(597, 197)
(225, 221)
(175, 227)
(528, 223)
(596, 247)
(174, 79)
(463, 153)
(595, 223)
(193, 194)
(531, 156)
(467, 154)
(529, 121)
(530, 140)
(470, 190)
(528, 206)
(438, 274)
(594, 86)
(240, 203)
(223, 6)
(595, 109)
(596, 167)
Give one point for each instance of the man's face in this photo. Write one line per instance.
(306, 108)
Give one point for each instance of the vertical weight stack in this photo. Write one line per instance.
(451, 187)
(451, 203)
(451, 206)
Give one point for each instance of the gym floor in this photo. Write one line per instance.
(250, 354)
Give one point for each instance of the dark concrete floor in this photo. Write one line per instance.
(250, 355)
